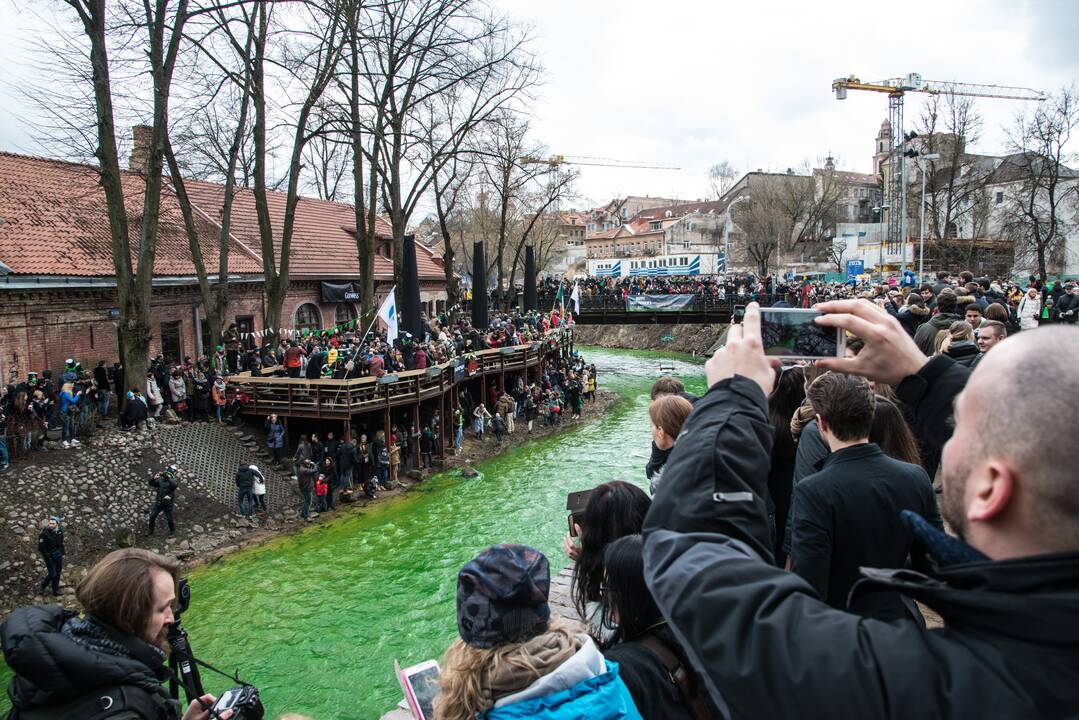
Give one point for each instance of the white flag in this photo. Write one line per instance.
(387, 313)
(576, 298)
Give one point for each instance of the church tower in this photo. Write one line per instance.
(883, 147)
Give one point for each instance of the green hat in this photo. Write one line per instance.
(220, 347)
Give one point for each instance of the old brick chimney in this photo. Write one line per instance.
(140, 149)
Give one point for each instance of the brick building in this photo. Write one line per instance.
(58, 286)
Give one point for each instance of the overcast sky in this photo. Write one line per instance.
(691, 83)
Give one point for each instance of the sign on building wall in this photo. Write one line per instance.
(340, 292)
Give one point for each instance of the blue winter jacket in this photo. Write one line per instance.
(603, 697)
(275, 435)
(68, 400)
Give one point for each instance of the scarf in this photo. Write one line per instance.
(530, 661)
(85, 632)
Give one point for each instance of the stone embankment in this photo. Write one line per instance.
(100, 490)
(689, 339)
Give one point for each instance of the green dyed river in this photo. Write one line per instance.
(316, 619)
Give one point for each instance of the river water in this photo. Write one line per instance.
(316, 619)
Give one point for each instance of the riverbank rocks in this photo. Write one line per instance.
(690, 339)
(469, 472)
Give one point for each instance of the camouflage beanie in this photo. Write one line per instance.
(502, 596)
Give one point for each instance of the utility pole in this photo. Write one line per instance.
(925, 158)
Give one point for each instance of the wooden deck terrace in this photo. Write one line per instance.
(342, 399)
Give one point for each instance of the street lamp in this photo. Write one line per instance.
(921, 230)
(880, 211)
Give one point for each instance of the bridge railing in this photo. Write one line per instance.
(318, 398)
(701, 303)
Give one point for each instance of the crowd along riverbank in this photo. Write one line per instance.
(316, 618)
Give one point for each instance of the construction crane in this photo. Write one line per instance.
(896, 88)
(555, 161)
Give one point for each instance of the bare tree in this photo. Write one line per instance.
(947, 126)
(160, 26)
(448, 187)
(327, 157)
(308, 62)
(418, 50)
(229, 75)
(721, 177)
(1041, 201)
(837, 249)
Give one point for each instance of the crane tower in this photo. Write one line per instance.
(896, 88)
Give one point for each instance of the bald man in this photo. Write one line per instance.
(763, 642)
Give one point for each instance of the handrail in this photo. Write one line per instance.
(327, 396)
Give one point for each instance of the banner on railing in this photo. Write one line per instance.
(659, 303)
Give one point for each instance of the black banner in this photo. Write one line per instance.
(340, 292)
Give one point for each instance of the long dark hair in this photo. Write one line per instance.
(891, 432)
(615, 509)
(626, 593)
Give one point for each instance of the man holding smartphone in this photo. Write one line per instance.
(1007, 587)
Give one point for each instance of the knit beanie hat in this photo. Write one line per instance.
(502, 596)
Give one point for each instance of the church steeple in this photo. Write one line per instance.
(883, 147)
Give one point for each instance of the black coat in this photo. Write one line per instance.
(51, 542)
(166, 486)
(346, 457)
(768, 647)
(656, 697)
(245, 477)
(56, 672)
(847, 516)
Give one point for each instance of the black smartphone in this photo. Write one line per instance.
(576, 502)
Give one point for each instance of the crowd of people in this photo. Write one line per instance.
(800, 518)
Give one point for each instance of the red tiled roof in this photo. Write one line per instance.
(323, 241)
(54, 223)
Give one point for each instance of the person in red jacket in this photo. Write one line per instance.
(322, 487)
(293, 358)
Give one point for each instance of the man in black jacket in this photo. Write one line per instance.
(245, 484)
(165, 482)
(50, 543)
(847, 515)
(107, 662)
(1007, 589)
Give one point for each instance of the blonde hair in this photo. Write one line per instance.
(669, 413)
(958, 330)
(466, 671)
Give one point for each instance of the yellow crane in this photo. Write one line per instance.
(896, 88)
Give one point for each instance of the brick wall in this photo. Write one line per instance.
(40, 329)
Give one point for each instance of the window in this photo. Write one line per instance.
(654, 225)
(1000, 198)
(308, 317)
(171, 346)
(344, 313)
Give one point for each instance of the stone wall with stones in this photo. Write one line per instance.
(101, 492)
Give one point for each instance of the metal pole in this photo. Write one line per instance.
(903, 215)
(921, 233)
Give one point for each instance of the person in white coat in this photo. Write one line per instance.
(259, 489)
(153, 396)
(1030, 309)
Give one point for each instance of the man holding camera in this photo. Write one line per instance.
(109, 661)
(165, 483)
(763, 641)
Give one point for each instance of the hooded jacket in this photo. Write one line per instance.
(584, 686)
(62, 661)
(927, 331)
(245, 477)
(767, 646)
(911, 317)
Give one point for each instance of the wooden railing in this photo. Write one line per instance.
(343, 398)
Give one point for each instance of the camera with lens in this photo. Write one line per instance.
(243, 701)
